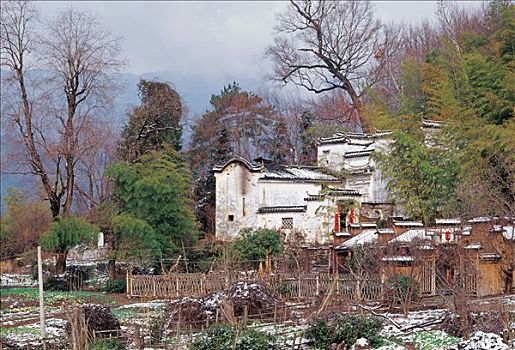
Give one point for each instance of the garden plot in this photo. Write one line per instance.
(20, 324)
(29, 335)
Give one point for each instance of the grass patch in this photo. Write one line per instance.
(4, 332)
(57, 297)
(124, 314)
(428, 340)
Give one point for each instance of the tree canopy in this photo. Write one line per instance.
(466, 82)
(66, 233)
(23, 222)
(154, 199)
(156, 122)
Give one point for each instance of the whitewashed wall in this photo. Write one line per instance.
(371, 186)
(237, 195)
(236, 183)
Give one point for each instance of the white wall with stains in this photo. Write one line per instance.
(240, 193)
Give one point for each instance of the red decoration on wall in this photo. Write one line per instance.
(447, 235)
(336, 222)
(351, 216)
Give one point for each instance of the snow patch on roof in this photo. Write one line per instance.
(448, 221)
(363, 224)
(290, 172)
(480, 219)
(342, 234)
(411, 235)
(397, 258)
(409, 223)
(473, 246)
(509, 232)
(365, 237)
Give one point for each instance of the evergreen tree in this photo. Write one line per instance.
(154, 123)
(154, 197)
(468, 167)
(421, 179)
(239, 124)
(66, 233)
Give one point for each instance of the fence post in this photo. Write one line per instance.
(153, 286)
(177, 285)
(127, 282)
(41, 302)
(245, 315)
(318, 286)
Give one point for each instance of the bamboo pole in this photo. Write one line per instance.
(41, 300)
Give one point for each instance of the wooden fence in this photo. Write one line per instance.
(299, 286)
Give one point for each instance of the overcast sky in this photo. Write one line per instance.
(212, 39)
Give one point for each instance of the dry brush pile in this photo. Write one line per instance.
(254, 297)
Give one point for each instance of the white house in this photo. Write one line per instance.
(305, 198)
(350, 154)
(288, 197)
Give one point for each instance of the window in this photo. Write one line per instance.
(231, 218)
(287, 223)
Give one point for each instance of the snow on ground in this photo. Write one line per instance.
(480, 340)
(155, 304)
(414, 318)
(29, 335)
(16, 280)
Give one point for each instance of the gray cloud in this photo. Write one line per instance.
(213, 39)
(199, 45)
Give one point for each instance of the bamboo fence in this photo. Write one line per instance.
(290, 286)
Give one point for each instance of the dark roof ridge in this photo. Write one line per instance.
(249, 165)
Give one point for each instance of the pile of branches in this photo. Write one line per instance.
(257, 298)
(98, 321)
(494, 321)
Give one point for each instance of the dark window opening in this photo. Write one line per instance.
(343, 224)
(231, 217)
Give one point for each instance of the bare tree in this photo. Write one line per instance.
(362, 265)
(327, 45)
(402, 267)
(92, 185)
(76, 55)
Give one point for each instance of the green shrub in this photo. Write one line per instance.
(321, 334)
(345, 328)
(255, 245)
(157, 330)
(401, 285)
(115, 286)
(226, 337)
(355, 327)
(106, 344)
(283, 288)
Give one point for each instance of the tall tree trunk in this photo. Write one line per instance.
(60, 261)
(35, 159)
(358, 107)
